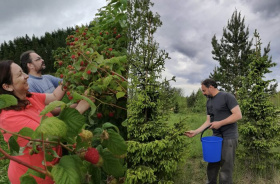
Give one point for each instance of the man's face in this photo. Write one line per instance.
(206, 91)
(37, 62)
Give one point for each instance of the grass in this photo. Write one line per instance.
(4, 163)
(193, 170)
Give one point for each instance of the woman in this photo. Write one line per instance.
(13, 81)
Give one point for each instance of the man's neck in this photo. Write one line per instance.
(35, 74)
(216, 91)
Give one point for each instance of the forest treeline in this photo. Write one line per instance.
(43, 45)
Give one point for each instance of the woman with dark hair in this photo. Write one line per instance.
(13, 81)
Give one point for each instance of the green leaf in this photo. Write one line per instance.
(52, 126)
(99, 58)
(74, 121)
(52, 106)
(35, 173)
(7, 101)
(92, 68)
(95, 173)
(68, 170)
(112, 165)
(107, 80)
(110, 125)
(27, 179)
(120, 94)
(116, 144)
(26, 132)
(13, 145)
(50, 155)
(77, 96)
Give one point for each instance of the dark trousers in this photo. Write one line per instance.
(225, 166)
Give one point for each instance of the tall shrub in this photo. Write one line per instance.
(154, 147)
(259, 128)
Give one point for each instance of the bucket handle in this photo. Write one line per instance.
(203, 132)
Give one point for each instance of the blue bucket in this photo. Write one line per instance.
(211, 148)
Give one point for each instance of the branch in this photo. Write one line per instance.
(13, 158)
(27, 138)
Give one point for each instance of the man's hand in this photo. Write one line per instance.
(215, 125)
(190, 133)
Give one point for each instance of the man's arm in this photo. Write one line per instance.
(235, 116)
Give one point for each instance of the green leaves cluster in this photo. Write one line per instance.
(66, 128)
(94, 62)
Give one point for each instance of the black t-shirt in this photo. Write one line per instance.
(219, 108)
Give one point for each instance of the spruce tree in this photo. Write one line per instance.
(259, 129)
(154, 147)
(232, 54)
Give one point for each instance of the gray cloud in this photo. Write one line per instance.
(269, 8)
(188, 28)
(18, 18)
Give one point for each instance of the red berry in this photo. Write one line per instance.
(88, 72)
(110, 49)
(88, 52)
(82, 63)
(76, 39)
(84, 33)
(99, 115)
(70, 97)
(92, 155)
(68, 93)
(73, 56)
(111, 114)
(74, 146)
(61, 76)
(100, 33)
(60, 63)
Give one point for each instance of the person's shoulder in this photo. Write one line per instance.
(51, 77)
(37, 96)
(224, 93)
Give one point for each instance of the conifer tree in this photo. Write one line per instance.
(154, 147)
(232, 54)
(259, 129)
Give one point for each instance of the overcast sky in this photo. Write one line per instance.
(20, 17)
(186, 33)
(188, 28)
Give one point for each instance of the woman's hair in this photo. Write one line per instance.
(6, 78)
(209, 82)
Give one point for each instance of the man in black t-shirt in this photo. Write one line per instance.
(223, 112)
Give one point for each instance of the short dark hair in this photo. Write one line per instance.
(6, 78)
(24, 59)
(209, 82)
